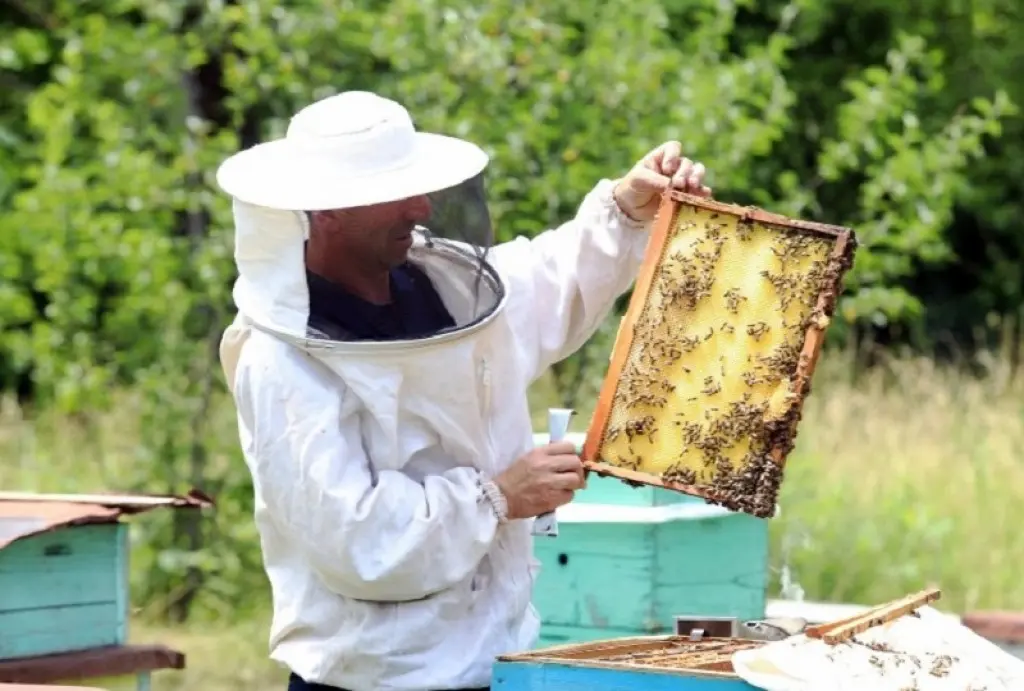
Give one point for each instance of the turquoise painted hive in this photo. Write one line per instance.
(628, 560)
(64, 570)
(63, 590)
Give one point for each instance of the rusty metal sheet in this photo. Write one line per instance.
(47, 687)
(23, 514)
(1000, 626)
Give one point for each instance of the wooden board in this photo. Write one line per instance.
(844, 629)
(109, 661)
(715, 354)
(47, 687)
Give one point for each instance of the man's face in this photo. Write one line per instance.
(379, 234)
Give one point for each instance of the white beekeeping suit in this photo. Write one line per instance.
(389, 570)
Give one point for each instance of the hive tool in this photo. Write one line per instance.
(558, 426)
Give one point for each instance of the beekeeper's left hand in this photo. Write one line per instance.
(638, 194)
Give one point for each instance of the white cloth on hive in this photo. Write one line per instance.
(933, 652)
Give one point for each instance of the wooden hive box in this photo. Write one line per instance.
(677, 663)
(664, 663)
(676, 554)
(64, 573)
(715, 354)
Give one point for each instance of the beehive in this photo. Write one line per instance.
(64, 600)
(716, 662)
(716, 351)
(668, 663)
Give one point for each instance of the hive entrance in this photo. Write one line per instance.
(714, 355)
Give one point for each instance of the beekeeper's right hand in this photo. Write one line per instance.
(541, 480)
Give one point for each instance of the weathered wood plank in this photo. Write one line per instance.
(64, 590)
(716, 567)
(75, 565)
(596, 578)
(553, 634)
(110, 661)
(56, 629)
(637, 577)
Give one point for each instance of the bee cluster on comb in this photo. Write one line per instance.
(716, 351)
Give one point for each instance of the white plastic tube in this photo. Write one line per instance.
(558, 426)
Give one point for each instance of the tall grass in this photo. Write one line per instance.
(911, 474)
(904, 475)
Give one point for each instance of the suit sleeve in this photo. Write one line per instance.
(564, 282)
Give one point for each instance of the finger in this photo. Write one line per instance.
(581, 477)
(647, 180)
(559, 448)
(565, 463)
(696, 177)
(704, 191)
(565, 482)
(665, 159)
(671, 158)
(679, 180)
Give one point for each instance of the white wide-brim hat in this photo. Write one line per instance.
(351, 149)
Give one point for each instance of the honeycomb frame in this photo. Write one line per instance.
(708, 658)
(769, 424)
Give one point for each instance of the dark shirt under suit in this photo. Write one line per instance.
(415, 310)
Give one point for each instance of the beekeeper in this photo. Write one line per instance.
(379, 363)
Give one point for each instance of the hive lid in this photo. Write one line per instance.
(715, 353)
(23, 514)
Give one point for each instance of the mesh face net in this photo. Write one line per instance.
(460, 214)
(452, 249)
(460, 225)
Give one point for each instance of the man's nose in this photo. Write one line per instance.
(418, 208)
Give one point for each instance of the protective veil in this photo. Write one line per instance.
(459, 229)
(388, 568)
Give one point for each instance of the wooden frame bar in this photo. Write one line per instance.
(845, 629)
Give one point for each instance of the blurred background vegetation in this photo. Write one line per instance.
(899, 119)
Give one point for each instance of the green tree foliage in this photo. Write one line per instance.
(115, 245)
